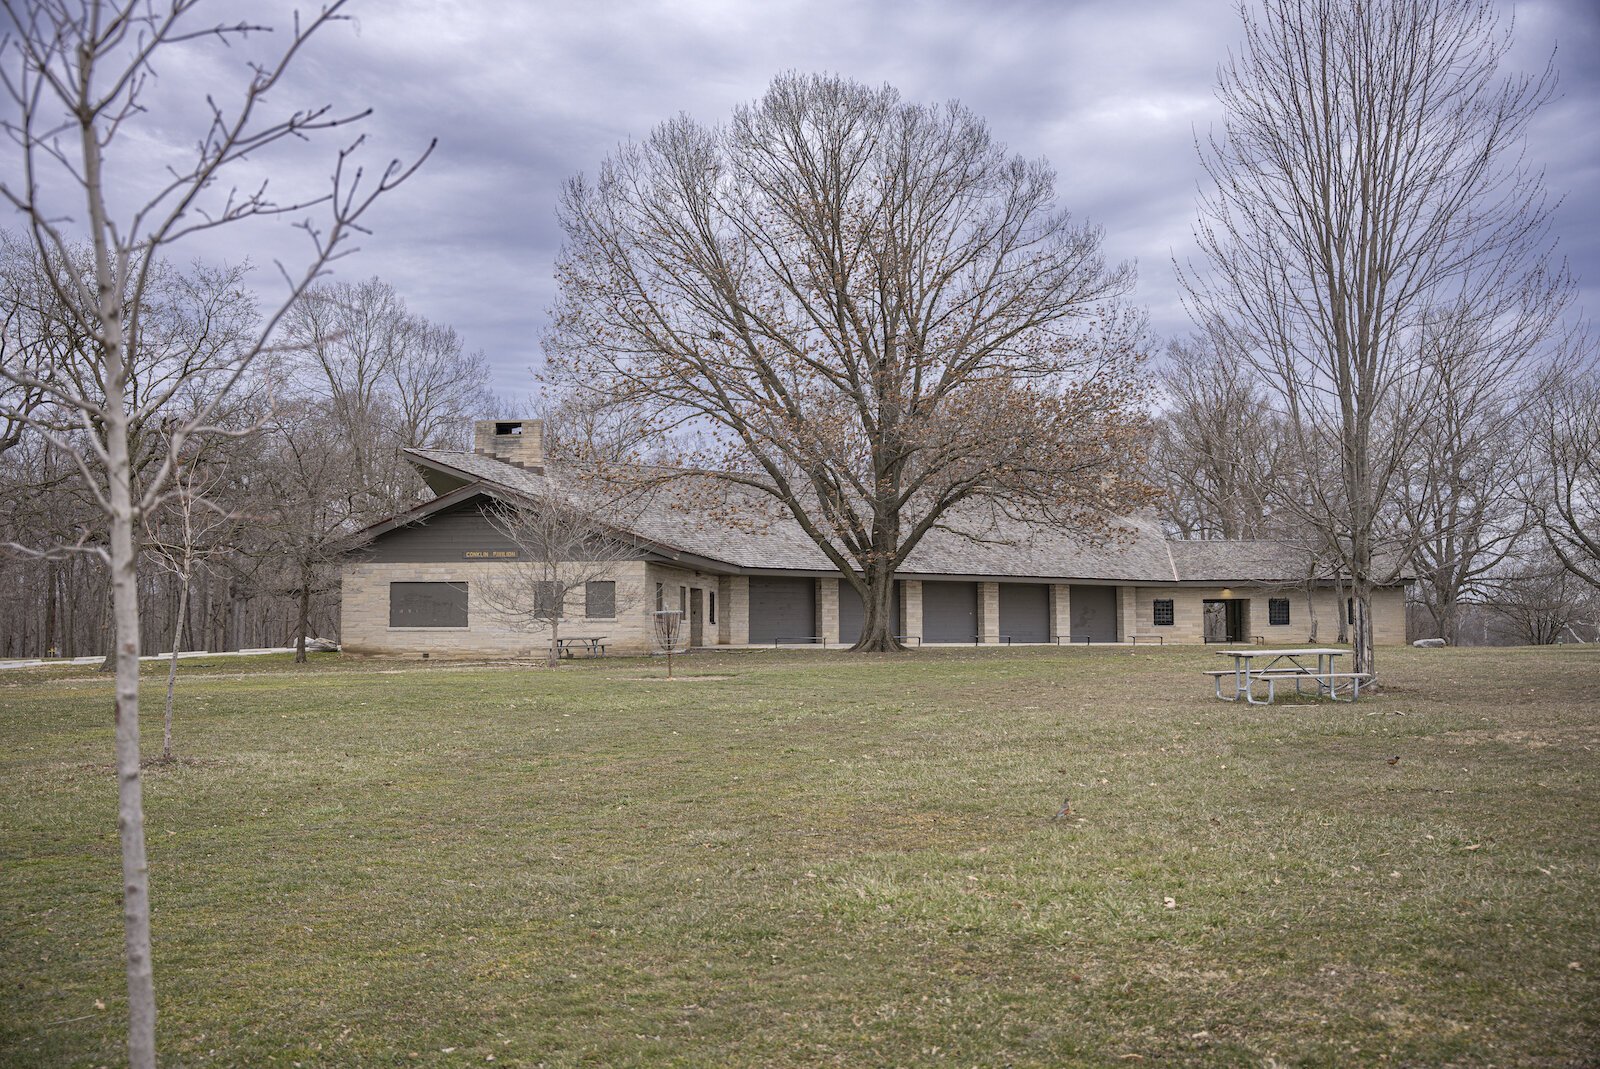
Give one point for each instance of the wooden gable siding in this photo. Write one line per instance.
(448, 535)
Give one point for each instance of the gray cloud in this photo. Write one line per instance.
(523, 96)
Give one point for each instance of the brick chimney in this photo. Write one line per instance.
(517, 441)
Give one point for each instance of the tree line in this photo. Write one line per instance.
(1385, 368)
(1493, 507)
(241, 552)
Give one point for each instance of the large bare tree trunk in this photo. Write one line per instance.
(1361, 637)
(879, 628)
(48, 645)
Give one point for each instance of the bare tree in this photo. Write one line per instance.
(392, 377)
(1458, 495)
(1368, 188)
(565, 550)
(875, 315)
(78, 77)
(1542, 601)
(1564, 485)
(1218, 448)
(589, 433)
(189, 526)
(308, 494)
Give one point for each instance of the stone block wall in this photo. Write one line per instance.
(1388, 613)
(364, 613)
(675, 583)
(1060, 612)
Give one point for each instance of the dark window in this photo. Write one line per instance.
(1163, 612)
(547, 600)
(600, 600)
(427, 605)
(661, 597)
(1277, 611)
(711, 606)
(683, 600)
(1349, 610)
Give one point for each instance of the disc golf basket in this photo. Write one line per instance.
(668, 635)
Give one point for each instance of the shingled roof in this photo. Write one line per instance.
(766, 538)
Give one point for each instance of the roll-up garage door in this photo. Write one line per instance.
(1094, 613)
(949, 612)
(853, 614)
(782, 610)
(1025, 612)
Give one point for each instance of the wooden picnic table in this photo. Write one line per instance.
(593, 645)
(1252, 666)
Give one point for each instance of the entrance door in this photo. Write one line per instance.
(697, 617)
(1225, 620)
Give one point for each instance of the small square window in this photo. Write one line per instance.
(547, 600)
(1278, 611)
(600, 600)
(1163, 612)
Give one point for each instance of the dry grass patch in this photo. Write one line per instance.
(820, 859)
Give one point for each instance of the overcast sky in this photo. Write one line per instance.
(521, 96)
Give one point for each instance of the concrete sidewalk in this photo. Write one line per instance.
(182, 655)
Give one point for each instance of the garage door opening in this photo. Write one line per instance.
(782, 610)
(1024, 612)
(949, 612)
(1094, 613)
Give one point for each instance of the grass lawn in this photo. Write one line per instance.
(817, 859)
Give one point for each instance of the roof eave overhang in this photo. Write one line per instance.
(663, 552)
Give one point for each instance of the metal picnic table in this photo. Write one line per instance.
(1278, 665)
(593, 645)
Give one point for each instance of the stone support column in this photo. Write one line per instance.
(988, 613)
(911, 610)
(1060, 612)
(828, 611)
(1126, 613)
(733, 610)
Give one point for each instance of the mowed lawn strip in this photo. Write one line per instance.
(817, 859)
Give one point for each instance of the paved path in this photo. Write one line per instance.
(183, 655)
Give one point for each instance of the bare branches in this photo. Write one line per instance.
(1370, 211)
(873, 312)
(1563, 487)
(562, 548)
(78, 75)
